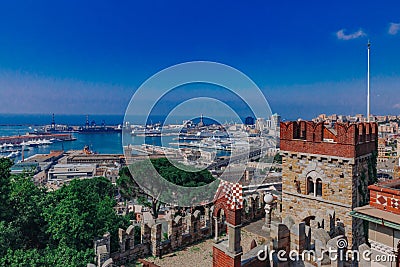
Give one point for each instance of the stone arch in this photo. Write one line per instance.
(196, 214)
(220, 204)
(221, 222)
(314, 172)
(313, 177)
(178, 220)
(219, 215)
(130, 229)
(305, 214)
(202, 209)
(108, 263)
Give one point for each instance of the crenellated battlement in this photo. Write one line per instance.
(348, 140)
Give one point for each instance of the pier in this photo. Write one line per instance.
(18, 139)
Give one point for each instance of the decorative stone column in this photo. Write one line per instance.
(215, 229)
(207, 216)
(268, 199)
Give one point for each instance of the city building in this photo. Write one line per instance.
(35, 168)
(276, 120)
(22, 167)
(53, 156)
(382, 148)
(66, 172)
(100, 159)
(262, 124)
(111, 173)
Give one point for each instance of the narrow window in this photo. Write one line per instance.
(319, 187)
(310, 186)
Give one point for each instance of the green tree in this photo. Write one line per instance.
(5, 183)
(23, 257)
(66, 256)
(81, 211)
(10, 238)
(50, 257)
(27, 201)
(129, 189)
(179, 174)
(39, 228)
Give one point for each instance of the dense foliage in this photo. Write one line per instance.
(39, 228)
(175, 173)
(179, 176)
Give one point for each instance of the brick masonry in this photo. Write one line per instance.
(346, 140)
(222, 259)
(386, 196)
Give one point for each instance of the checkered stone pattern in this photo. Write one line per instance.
(381, 200)
(233, 192)
(235, 196)
(395, 203)
(222, 189)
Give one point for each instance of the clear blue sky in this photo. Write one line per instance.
(308, 57)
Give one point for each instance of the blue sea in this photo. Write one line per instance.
(110, 143)
(101, 143)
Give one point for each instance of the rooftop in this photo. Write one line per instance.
(391, 187)
(376, 215)
(45, 157)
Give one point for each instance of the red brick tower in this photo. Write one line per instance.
(326, 173)
(228, 253)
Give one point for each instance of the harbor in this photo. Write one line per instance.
(32, 138)
(16, 146)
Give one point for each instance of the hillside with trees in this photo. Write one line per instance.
(174, 173)
(40, 228)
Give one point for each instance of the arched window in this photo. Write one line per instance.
(310, 186)
(319, 188)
